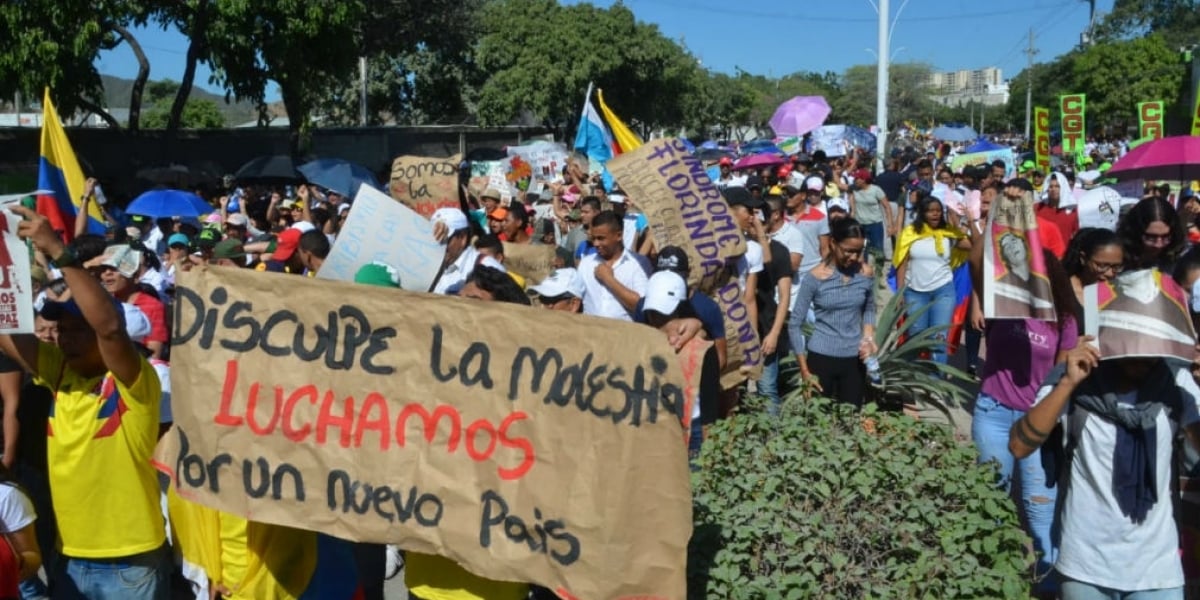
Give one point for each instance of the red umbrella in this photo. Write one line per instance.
(1171, 159)
(758, 160)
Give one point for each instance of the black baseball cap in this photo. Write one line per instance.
(740, 196)
(674, 259)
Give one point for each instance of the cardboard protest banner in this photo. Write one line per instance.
(382, 229)
(1099, 207)
(836, 140)
(976, 159)
(16, 286)
(1015, 284)
(534, 262)
(481, 175)
(684, 209)
(1150, 119)
(1139, 313)
(546, 159)
(553, 457)
(682, 205)
(1041, 138)
(1074, 133)
(425, 183)
(691, 362)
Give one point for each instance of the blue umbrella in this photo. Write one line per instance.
(983, 145)
(337, 175)
(762, 147)
(162, 204)
(950, 133)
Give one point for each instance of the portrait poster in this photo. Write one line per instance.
(1015, 284)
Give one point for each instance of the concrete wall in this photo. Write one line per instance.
(114, 156)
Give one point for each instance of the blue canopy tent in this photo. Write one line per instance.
(983, 145)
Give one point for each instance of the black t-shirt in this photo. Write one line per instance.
(780, 267)
(892, 184)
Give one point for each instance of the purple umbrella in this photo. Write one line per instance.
(799, 116)
(758, 160)
(1173, 158)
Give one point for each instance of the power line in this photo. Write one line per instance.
(822, 19)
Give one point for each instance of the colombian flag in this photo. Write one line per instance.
(59, 173)
(626, 140)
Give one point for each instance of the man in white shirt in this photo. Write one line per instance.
(460, 257)
(727, 178)
(614, 278)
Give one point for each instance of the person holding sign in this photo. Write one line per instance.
(103, 432)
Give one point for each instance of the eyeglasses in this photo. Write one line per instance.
(1152, 238)
(1114, 268)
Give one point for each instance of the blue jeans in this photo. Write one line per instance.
(768, 383)
(941, 311)
(1078, 590)
(145, 576)
(990, 425)
(874, 233)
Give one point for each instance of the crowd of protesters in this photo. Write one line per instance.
(88, 396)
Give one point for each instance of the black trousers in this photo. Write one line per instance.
(841, 378)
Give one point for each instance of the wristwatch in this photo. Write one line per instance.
(66, 259)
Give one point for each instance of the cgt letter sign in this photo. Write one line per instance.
(1072, 107)
(1150, 119)
(1041, 138)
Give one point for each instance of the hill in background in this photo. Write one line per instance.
(117, 90)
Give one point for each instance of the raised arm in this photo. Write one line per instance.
(98, 308)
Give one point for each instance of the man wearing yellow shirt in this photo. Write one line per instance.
(102, 430)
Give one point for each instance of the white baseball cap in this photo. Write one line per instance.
(664, 292)
(452, 218)
(815, 184)
(560, 283)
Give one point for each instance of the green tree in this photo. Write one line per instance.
(46, 43)
(1116, 76)
(538, 58)
(769, 93)
(197, 113)
(721, 103)
(1178, 21)
(908, 95)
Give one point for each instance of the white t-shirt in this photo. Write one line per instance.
(164, 378)
(791, 237)
(750, 262)
(16, 510)
(927, 271)
(1100, 545)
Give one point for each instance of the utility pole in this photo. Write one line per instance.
(1029, 84)
(363, 91)
(881, 85)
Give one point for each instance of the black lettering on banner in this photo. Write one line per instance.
(539, 538)
(468, 372)
(423, 507)
(194, 471)
(269, 482)
(346, 339)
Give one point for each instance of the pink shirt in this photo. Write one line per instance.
(1020, 353)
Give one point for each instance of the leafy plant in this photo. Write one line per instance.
(822, 501)
(907, 376)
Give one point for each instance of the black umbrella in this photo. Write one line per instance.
(278, 169)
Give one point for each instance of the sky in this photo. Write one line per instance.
(768, 37)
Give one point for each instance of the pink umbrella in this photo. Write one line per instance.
(1171, 158)
(758, 160)
(799, 116)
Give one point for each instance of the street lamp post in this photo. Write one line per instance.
(881, 87)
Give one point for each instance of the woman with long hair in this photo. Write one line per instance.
(843, 301)
(1020, 353)
(1094, 255)
(1153, 235)
(927, 252)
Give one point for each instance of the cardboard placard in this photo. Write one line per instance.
(976, 159)
(381, 229)
(534, 262)
(1139, 313)
(682, 205)
(16, 286)
(425, 183)
(684, 208)
(545, 457)
(1015, 284)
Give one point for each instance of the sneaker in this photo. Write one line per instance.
(394, 560)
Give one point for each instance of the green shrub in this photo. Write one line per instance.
(824, 502)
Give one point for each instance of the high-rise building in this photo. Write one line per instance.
(963, 80)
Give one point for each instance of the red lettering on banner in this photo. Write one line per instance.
(296, 421)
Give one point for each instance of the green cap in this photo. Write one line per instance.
(379, 274)
(208, 237)
(231, 249)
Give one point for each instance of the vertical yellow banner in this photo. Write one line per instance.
(1041, 138)
(1074, 133)
(1150, 119)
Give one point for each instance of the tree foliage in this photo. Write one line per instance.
(538, 58)
(1177, 21)
(908, 96)
(198, 113)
